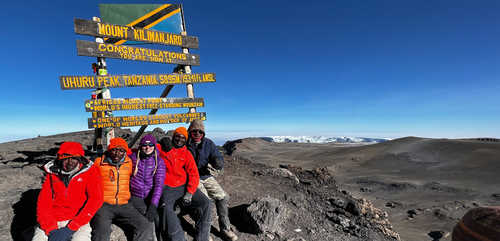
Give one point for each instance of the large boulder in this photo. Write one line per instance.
(482, 223)
(266, 215)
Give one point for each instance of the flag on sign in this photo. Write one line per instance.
(159, 17)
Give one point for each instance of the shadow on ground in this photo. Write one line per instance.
(24, 222)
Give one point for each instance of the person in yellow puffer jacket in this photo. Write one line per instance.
(116, 168)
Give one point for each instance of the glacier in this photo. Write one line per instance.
(324, 139)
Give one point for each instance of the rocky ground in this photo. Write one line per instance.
(425, 185)
(270, 199)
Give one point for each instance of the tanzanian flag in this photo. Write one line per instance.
(159, 17)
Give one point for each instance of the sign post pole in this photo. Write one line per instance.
(101, 143)
(187, 68)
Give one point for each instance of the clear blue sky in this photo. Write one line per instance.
(385, 68)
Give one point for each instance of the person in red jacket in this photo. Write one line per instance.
(181, 183)
(71, 194)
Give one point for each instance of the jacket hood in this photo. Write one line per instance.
(52, 168)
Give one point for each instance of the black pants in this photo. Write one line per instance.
(171, 224)
(142, 206)
(126, 217)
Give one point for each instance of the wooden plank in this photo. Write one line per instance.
(93, 49)
(141, 103)
(125, 121)
(136, 80)
(87, 27)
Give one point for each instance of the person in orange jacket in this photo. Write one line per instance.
(116, 168)
(71, 194)
(181, 183)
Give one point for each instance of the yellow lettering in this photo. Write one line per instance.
(150, 36)
(157, 38)
(125, 31)
(136, 34)
(65, 82)
(101, 47)
(162, 38)
(101, 28)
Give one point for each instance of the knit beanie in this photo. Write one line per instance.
(197, 125)
(147, 139)
(181, 130)
(70, 149)
(118, 142)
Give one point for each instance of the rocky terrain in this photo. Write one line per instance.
(425, 185)
(270, 199)
(405, 189)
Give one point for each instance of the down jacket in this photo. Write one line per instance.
(148, 176)
(115, 180)
(78, 201)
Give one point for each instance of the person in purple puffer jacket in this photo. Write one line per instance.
(148, 175)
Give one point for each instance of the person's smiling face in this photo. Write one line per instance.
(148, 148)
(116, 154)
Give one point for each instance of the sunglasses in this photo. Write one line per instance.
(197, 131)
(149, 144)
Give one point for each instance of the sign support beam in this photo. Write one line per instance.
(101, 136)
(152, 112)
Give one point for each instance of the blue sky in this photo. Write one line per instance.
(382, 68)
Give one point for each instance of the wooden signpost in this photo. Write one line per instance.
(102, 105)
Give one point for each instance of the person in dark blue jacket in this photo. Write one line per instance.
(209, 161)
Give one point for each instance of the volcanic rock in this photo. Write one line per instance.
(482, 223)
(267, 215)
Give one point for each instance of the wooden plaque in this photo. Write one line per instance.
(124, 121)
(141, 103)
(135, 80)
(93, 49)
(87, 27)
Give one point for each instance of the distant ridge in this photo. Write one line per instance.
(323, 139)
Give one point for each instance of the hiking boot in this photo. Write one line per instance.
(230, 235)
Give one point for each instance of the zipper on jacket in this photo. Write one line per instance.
(117, 182)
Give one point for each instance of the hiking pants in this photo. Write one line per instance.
(142, 207)
(171, 225)
(82, 234)
(214, 190)
(126, 217)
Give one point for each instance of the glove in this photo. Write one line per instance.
(62, 234)
(151, 212)
(186, 200)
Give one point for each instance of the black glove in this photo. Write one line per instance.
(62, 234)
(186, 200)
(151, 212)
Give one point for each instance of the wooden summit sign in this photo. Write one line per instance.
(141, 103)
(125, 121)
(92, 28)
(93, 49)
(136, 80)
(161, 24)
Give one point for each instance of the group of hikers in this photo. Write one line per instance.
(139, 190)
